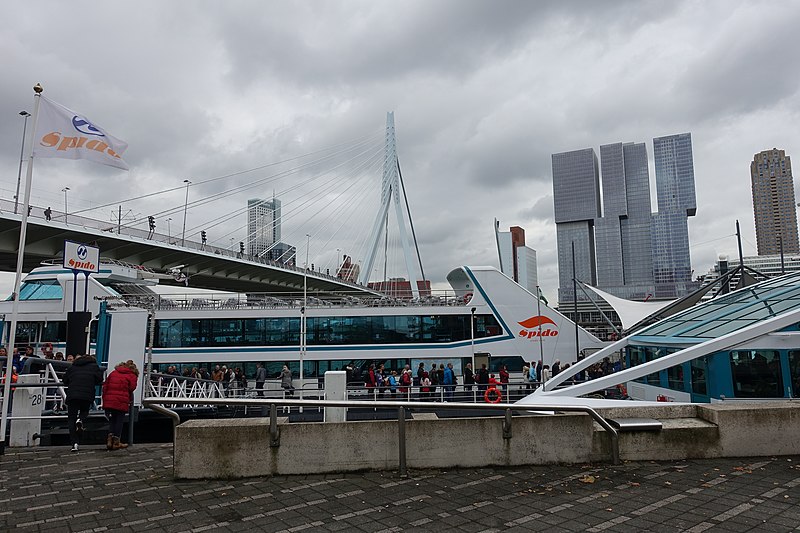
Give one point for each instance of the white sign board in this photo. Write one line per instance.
(81, 257)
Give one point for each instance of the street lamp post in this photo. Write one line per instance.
(185, 207)
(303, 315)
(472, 336)
(169, 230)
(64, 190)
(21, 158)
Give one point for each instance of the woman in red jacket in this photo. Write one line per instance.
(117, 394)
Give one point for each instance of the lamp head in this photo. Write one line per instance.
(24, 114)
(38, 88)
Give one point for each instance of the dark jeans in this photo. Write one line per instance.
(115, 421)
(260, 388)
(74, 409)
(448, 391)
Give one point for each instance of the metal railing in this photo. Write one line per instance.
(401, 407)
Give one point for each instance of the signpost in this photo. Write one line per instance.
(79, 258)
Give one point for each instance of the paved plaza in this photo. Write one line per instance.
(51, 489)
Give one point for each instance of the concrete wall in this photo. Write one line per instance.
(232, 448)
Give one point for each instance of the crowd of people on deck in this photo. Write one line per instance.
(437, 381)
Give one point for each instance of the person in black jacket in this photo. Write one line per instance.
(81, 378)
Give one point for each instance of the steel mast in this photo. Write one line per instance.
(390, 189)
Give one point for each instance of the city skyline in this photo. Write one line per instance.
(637, 253)
(480, 91)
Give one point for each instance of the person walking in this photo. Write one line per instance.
(286, 381)
(261, 378)
(482, 378)
(117, 396)
(469, 380)
(449, 381)
(81, 378)
(504, 377)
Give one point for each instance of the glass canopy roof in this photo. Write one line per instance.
(731, 312)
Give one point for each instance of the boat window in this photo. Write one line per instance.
(350, 330)
(794, 372)
(699, 368)
(756, 374)
(226, 332)
(41, 289)
(675, 378)
(26, 333)
(54, 331)
(651, 354)
(635, 356)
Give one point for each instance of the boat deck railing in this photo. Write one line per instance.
(227, 301)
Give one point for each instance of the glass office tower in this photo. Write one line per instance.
(676, 198)
(623, 233)
(576, 197)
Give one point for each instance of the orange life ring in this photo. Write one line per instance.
(497, 399)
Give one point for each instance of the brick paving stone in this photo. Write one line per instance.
(133, 490)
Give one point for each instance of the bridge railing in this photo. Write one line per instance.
(112, 226)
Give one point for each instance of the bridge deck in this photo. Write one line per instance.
(209, 267)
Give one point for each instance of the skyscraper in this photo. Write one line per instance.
(263, 224)
(774, 205)
(576, 198)
(628, 251)
(672, 267)
(517, 261)
(623, 233)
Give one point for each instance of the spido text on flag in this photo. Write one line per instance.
(61, 132)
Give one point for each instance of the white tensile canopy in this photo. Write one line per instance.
(630, 312)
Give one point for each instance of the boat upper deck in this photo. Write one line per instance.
(231, 302)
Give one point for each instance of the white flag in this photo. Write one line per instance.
(61, 132)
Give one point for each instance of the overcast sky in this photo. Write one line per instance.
(483, 93)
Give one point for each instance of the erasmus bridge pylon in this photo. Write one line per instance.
(392, 192)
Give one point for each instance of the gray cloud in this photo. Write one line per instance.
(483, 92)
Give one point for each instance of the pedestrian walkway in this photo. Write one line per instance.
(50, 489)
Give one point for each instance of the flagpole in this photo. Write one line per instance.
(539, 312)
(23, 230)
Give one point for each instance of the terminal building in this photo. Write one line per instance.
(742, 345)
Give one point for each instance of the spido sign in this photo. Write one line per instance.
(81, 257)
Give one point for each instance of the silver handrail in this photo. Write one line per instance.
(401, 411)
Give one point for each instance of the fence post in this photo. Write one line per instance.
(274, 436)
(401, 437)
(507, 425)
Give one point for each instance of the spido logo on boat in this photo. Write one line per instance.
(532, 327)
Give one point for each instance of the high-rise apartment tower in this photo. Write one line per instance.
(263, 224)
(774, 205)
